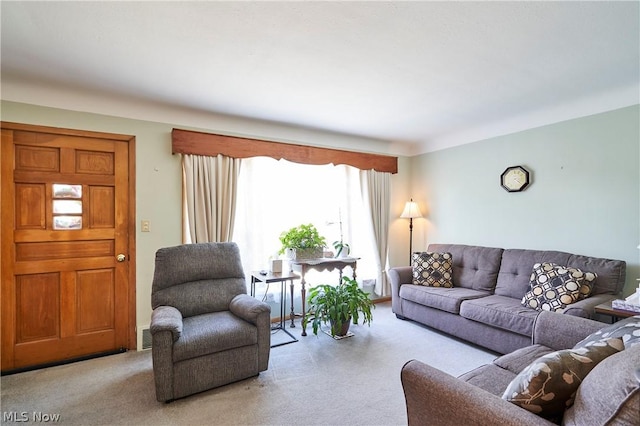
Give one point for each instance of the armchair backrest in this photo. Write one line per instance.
(197, 278)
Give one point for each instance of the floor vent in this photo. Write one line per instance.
(146, 339)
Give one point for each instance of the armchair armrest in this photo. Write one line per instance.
(561, 331)
(166, 318)
(434, 397)
(258, 313)
(249, 308)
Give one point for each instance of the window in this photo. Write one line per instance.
(67, 206)
(274, 196)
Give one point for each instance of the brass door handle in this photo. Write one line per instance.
(121, 257)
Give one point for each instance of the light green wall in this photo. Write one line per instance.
(585, 196)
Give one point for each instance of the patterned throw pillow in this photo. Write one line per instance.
(432, 269)
(554, 287)
(628, 330)
(549, 384)
(587, 285)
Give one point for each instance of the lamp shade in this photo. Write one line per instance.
(411, 210)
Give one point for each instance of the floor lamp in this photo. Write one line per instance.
(411, 211)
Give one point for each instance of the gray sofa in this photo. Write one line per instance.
(484, 305)
(608, 395)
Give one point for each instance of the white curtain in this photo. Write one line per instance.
(376, 198)
(209, 197)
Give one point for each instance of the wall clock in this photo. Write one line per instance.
(515, 179)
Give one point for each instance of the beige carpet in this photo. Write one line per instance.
(316, 381)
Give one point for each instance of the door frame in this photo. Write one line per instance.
(7, 243)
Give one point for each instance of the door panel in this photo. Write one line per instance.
(64, 294)
(30, 206)
(95, 300)
(37, 307)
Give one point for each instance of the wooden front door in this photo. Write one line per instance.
(67, 241)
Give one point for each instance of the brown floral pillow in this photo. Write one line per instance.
(553, 287)
(432, 269)
(548, 385)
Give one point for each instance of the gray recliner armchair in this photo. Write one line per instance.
(206, 330)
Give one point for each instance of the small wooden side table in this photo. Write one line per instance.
(321, 264)
(282, 278)
(615, 314)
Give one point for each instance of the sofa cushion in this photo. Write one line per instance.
(473, 266)
(515, 270)
(214, 332)
(610, 394)
(554, 287)
(548, 385)
(445, 299)
(432, 269)
(628, 330)
(517, 360)
(514, 278)
(611, 273)
(501, 312)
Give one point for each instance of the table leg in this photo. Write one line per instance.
(293, 314)
(303, 292)
(283, 301)
(253, 286)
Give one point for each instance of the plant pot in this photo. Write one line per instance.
(344, 252)
(303, 254)
(343, 330)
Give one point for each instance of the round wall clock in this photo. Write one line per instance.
(515, 178)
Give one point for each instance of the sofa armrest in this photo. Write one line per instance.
(166, 318)
(560, 331)
(586, 307)
(398, 276)
(434, 397)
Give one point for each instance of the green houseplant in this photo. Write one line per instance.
(339, 306)
(342, 249)
(302, 242)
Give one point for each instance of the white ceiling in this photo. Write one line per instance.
(430, 74)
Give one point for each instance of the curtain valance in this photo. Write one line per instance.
(209, 144)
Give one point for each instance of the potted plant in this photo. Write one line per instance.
(302, 242)
(339, 306)
(342, 249)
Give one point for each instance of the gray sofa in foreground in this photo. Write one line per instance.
(609, 393)
(484, 306)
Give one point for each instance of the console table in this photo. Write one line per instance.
(322, 264)
(282, 278)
